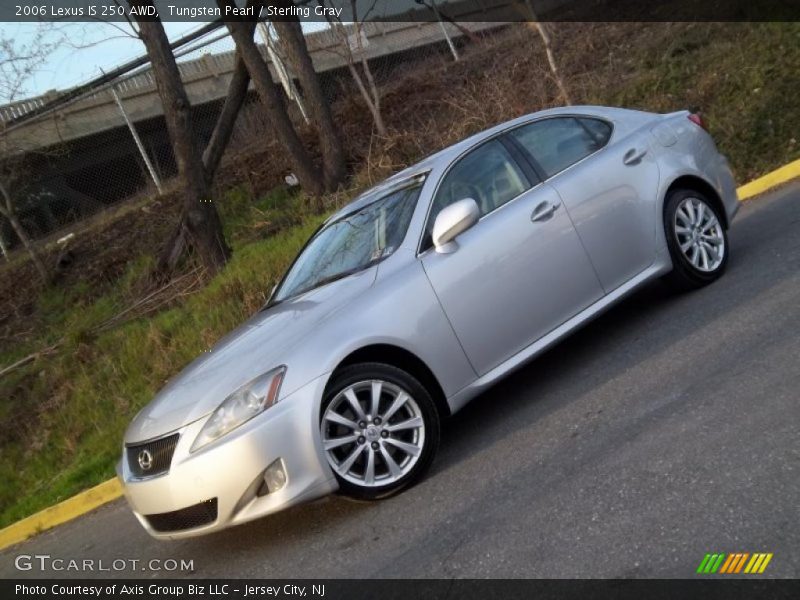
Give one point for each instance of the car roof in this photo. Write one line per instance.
(444, 157)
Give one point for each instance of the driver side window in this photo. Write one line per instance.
(488, 175)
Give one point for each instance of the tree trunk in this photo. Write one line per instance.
(371, 96)
(291, 36)
(8, 213)
(274, 105)
(237, 93)
(200, 228)
(551, 59)
(373, 88)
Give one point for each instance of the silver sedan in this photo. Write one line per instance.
(415, 298)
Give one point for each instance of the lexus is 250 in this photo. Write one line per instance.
(418, 296)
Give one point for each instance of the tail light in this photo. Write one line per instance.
(697, 119)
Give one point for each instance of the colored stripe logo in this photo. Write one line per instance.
(733, 563)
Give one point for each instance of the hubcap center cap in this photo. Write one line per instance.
(372, 433)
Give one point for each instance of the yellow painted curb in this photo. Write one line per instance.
(770, 180)
(111, 489)
(60, 513)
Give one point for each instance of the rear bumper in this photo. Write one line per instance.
(228, 473)
(726, 187)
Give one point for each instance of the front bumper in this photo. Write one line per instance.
(229, 472)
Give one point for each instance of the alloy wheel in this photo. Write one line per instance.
(699, 234)
(373, 433)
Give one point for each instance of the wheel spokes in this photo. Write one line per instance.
(335, 417)
(409, 449)
(703, 257)
(701, 213)
(694, 256)
(399, 401)
(355, 404)
(345, 465)
(376, 398)
(710, 250)
(369, 472)
(332, 443)
(394, 468)
(411, 423)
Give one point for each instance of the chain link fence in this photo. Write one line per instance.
(109, 145)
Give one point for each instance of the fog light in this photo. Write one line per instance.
(274, 478)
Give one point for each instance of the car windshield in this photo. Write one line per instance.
(351, 243)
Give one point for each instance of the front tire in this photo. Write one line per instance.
(379, 428)
(696, 239)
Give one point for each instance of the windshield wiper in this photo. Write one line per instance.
(326, 280)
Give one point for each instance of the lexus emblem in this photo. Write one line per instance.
(145, 460)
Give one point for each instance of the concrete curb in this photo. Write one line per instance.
(769, 181)
(60, 513)
(111, 490)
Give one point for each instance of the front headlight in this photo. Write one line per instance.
(242, 405)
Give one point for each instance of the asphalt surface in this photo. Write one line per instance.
(668, 428)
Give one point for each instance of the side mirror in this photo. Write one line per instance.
(453, 220)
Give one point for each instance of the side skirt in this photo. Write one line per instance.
(461, 398)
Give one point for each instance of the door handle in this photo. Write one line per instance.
(634, 155)
(543, 211)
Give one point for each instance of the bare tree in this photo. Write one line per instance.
(541, 29)
(294, 44)
(18, 62)
(200, 227)
(8, 211)
(20, 59)
(273, 103)
(220, 136)
(354, 52)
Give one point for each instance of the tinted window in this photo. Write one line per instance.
(488, 175)
(561, 142)
(351, 243)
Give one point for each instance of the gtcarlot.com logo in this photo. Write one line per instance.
(46, 562)
(734, 563)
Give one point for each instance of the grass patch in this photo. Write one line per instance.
(740, 75)
(82, 398)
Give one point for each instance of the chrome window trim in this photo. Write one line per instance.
(424, 251)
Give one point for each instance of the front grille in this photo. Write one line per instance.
(152, 458)
(185, 518)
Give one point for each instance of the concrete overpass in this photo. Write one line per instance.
(84, 157)
(206, 80)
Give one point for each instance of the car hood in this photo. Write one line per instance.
(255, 347)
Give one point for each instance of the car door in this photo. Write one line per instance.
(516, 274)
(608, 190)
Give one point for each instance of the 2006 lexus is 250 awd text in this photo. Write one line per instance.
(416, 297)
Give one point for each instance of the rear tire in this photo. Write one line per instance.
(696, 239)
(379, 428)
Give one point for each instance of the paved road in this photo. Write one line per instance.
(667, 429)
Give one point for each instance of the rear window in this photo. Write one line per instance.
(560, 142)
